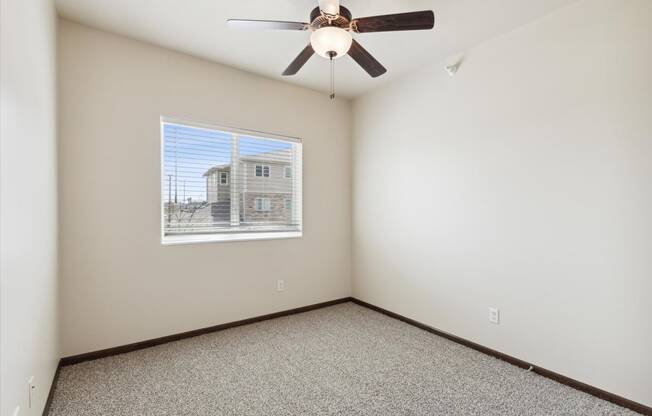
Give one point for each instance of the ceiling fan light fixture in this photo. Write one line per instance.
(330, 39)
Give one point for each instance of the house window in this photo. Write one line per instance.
(288, 172)
(197, 157)
(263, 204)
(262, 171)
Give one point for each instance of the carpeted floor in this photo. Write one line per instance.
(341, 360)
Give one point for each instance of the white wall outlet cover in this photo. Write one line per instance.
(280, 285)
(494, 315)
(30, 391)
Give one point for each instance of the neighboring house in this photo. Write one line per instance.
(264, 188)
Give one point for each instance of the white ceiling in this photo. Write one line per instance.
(198, 27)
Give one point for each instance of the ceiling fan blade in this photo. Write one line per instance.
(331, 7)
(299, 61)
(365, 60)
(266, 24)
(423, 20)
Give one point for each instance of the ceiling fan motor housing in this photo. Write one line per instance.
(319, 20)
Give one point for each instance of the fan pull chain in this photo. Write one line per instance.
(331, 54)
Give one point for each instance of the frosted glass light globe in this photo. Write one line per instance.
(331, 39)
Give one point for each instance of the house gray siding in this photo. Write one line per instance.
(215, 190)
(276, 183)
(276, 188)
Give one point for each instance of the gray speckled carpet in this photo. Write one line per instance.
(340, 360)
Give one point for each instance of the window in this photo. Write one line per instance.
(195, 158)
(263, 204)
(262, 171)
(288, 172)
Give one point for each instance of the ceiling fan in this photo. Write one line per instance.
(331, 26)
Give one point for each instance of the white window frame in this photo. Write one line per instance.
(285, 172)
(240, 235)
(263, 169)
(263, 204)
(226, 175)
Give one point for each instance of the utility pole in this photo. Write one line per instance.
(176, 176)
(169, 199)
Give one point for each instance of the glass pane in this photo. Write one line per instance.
(193, 199)
(224, 182)
(270, 158)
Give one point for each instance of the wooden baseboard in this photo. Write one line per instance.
(48, 401)
(594, 391)
(621, 401)
(94, 355)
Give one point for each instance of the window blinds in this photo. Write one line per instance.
(229, 183)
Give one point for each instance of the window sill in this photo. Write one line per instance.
(224, 238)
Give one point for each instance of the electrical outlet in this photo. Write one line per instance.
(494, 316)
(30, 391)
(280, 285)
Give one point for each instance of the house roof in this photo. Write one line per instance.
(279, 156)
(216, 168)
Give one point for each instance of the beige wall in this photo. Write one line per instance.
(522, 183)
(28, 203)
(119, 285)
